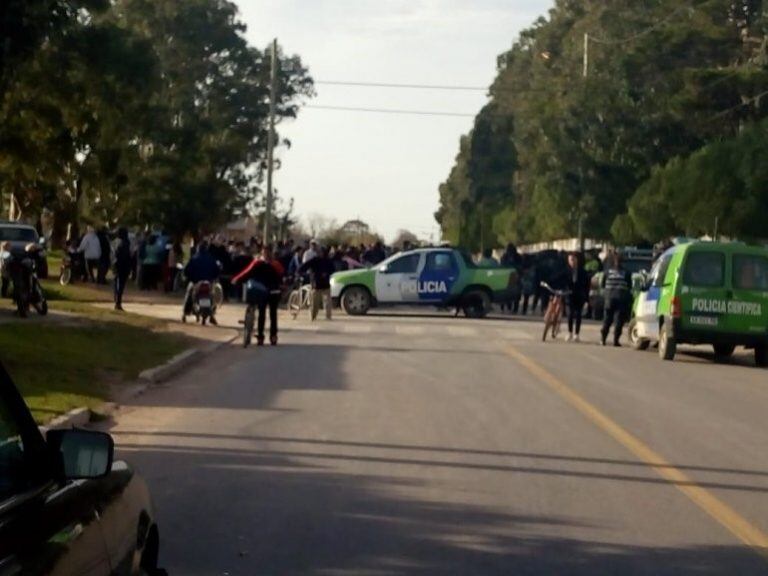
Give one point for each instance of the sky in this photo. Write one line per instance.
(384, 169)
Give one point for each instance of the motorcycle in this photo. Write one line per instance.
(72, 267)
(22, 270)
(202, 302)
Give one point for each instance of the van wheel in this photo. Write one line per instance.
(634, 338)
(667, 344)
(476, 304)
(761, 355)
(723, 351)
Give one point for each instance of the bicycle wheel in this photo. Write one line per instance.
(547, 323)
(248, 323)
(306, 298)
(556, 322)
(295, 303)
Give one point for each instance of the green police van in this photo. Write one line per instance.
(705, 293)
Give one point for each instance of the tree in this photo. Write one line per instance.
(137, 111)
(553, 150)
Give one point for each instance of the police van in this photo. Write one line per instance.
(705, 293)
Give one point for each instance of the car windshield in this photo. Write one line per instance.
(17, 234)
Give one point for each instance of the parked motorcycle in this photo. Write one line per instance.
(22, 270)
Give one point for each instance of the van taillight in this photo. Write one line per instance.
(677, 308)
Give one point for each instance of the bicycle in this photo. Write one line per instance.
(249, 323)
(300, 298)
(553, 317)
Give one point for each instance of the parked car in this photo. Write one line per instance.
(18, 235)
(705, 293)
(442, 277)
(66, 509)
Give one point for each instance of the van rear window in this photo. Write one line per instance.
(704, 269)
(750, 272)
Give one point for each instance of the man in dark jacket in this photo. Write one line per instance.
(617, 284)
(320, 270)
(106, 254)
(268, 272)
(122, 266)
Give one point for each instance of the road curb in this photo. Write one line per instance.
(172, 367)
(77, 417)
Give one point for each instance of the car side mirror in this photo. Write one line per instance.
(82, 454)
(383, 269)
(41, 241)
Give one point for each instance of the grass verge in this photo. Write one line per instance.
(61, 367)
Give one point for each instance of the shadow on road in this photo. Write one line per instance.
(231, 500)
(266, 513)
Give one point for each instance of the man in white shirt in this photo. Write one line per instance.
(311, 252)
(91, 249)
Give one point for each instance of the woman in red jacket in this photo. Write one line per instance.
(267, 272)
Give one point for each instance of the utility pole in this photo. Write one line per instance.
(271, 144)
(586, 54)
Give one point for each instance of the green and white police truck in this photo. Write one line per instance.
(441, 277)
(705, 293)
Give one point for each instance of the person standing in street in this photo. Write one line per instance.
(320, 270)
(123, 266)
(105, 260)
(268, 272)
(487, 260)
(310, 252)
(578, 285)
(90, 246)
(617, 283)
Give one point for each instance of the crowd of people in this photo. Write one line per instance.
(154, 260)
(572, 273)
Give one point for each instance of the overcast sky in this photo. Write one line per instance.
(384, 169)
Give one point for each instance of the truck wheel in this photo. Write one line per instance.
(634, 338)
(723, 351)
(476, 304)
(761, 355)
(667, 344)
(356, 301)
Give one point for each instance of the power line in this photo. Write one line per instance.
(391, 111)
(406, 86)
(652, 28)
(742, 105)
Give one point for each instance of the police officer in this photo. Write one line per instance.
(617, 284)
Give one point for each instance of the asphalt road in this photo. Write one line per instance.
(403, 444)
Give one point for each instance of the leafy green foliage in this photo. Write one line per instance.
(138, 112)
(664, 79)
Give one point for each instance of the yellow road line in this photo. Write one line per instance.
(739, 526)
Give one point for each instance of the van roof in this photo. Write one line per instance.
(728, 247)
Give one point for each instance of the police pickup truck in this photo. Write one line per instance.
(441, 277)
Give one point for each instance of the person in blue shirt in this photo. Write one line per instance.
(202, 267)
